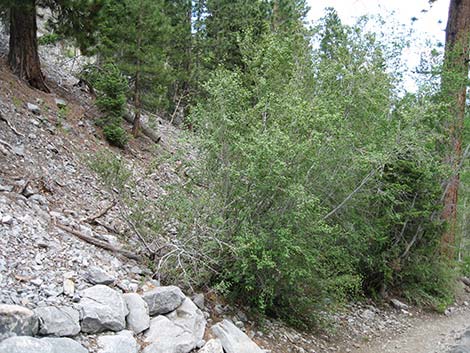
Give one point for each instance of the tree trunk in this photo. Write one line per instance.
(454, 90)
(23, 56)
(138, 72)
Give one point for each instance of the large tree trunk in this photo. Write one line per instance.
(23, 56)
(454, 89)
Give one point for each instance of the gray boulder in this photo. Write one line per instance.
(212, 346)
(463, 344)
(96, 275)
(26, 344)
(60, 103)
(102, 309)
(16, 320)
(162, 300)
(164, 336)
(123, 342)
(33, 108)
(198, 299)
(190, 319)
(61, 321)
(398, 304)
(233, 339)
(138, 319)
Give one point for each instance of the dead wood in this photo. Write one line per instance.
(99, 243)
(11, 126)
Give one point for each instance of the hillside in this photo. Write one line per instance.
(229, 181)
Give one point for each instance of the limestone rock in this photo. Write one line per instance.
(164, 336)
(123, 342)
(33, 108)
(138, 319)
(102, 309)
(398, 304)
(60, 103)
(96, 275)
(162, 300)
(212, 346)
(463, 344)
(198, 299)
(16, 320)
(233, 339)
(58, 321)
(190, 318)
(26, 344)
(69, 287)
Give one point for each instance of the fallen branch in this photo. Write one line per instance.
(99, 243)
(10, 125)
(6, 144)
(100, 214)
(126, 218)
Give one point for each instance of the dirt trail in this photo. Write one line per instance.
(429, 334)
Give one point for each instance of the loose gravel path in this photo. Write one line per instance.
(430, 334)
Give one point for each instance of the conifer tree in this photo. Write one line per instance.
(133, 35)
(76, 17)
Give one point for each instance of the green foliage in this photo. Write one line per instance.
(323, 182)
(262, 152)
(49, 38)
(133, 36)
(116, 135)
(111, 90)
(111, 168)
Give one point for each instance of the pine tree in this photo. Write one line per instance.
(23, 58)
(179, 51)
(224, 24)
(133, 35)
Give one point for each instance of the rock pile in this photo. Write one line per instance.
(161, 320)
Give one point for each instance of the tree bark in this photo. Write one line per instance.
(23, 56)
(138, 71)
(454, 89)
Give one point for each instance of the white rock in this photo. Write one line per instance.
(33, 108)
(162, 300)
(60, 103)
(16, 320)
(138, 319)
(212, 346)
(69, 287)
(233, 339)
(97, 275)
(25, 344)
(102, 309)
(164, 336)
(190, 318)
(398, 304)
(123, 342)
(58, 321)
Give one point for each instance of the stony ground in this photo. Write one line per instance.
(46, 182)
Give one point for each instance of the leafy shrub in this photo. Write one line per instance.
(111, 169)
(318, 183)
(282, 258)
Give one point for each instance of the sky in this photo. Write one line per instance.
(404, 10)
(430, 23)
